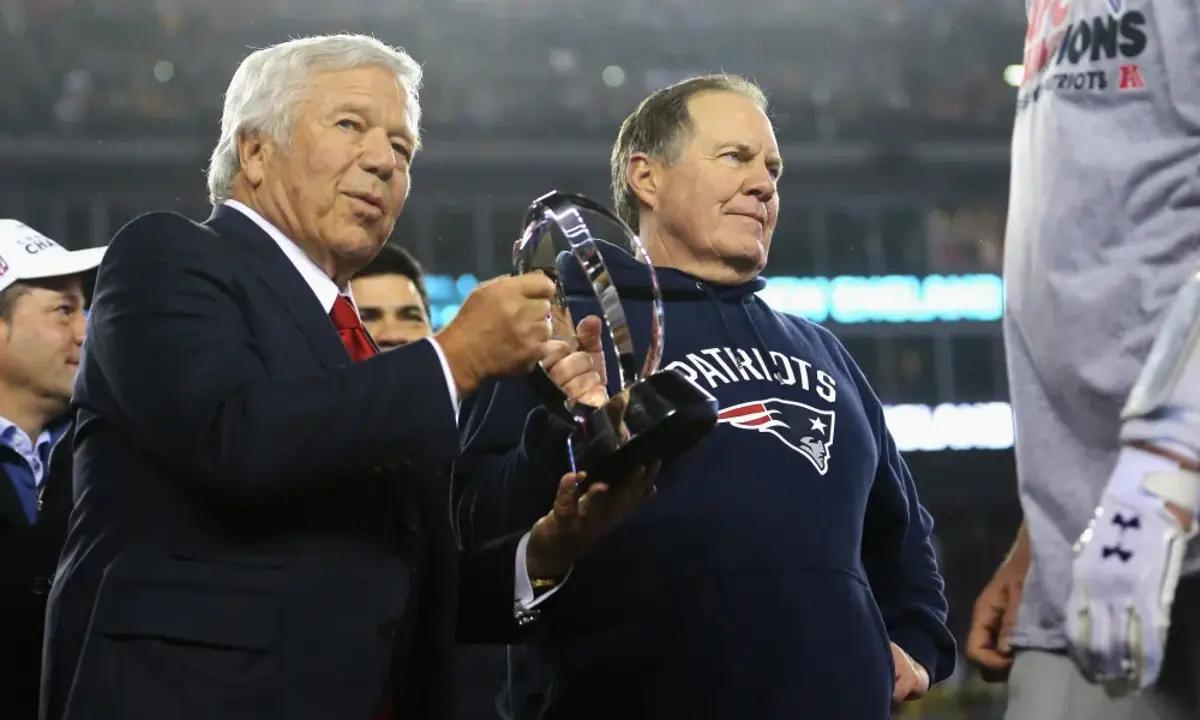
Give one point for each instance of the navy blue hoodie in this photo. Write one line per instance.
(779, 556)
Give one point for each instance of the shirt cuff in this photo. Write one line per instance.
(523, 598)
(454, 399)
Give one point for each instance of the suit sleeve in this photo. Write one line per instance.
(187, 379)
(898, 554)
(513, 457)
(485, 592)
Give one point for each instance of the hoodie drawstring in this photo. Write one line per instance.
(762, 344)
(716, 302)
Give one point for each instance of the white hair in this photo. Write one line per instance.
(266, 87)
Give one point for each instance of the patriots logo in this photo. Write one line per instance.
(3, 267)
(803, 428)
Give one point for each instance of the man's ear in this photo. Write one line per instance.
(11, 296)
(254, 150)
(643, 175)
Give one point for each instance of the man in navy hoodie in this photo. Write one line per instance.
(785, 567)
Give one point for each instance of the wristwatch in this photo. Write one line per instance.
(541, 585)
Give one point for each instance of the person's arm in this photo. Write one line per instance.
(513, 454)
(1128, 560)
(1162, 414)
(514, 451)
(901, 566)
(898, 554)
(490, 606)
(995, 612)
(486, 591)
(169, 335)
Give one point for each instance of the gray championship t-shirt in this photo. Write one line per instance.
(1103, 228)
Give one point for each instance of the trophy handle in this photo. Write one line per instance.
(562, 209)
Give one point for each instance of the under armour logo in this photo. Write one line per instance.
(1132, 523)
(1117, 550)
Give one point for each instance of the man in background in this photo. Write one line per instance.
(41, 333)
(391, 298)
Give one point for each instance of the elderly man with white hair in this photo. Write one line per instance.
(261, 527)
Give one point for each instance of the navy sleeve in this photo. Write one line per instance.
(513, 456)
(901, 566)
(168, 335)
(898, 554)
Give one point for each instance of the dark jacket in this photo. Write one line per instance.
(28, 554)
(261, 528)
(779, 556)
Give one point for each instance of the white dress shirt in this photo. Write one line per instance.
(327, 292)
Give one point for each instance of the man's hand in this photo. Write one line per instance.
(912, 679)
(578, 367)
(995, 613)
(1125, 572)
(580, 518)
(500, 329)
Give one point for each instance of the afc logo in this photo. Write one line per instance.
(1131, 78)
(802, 428)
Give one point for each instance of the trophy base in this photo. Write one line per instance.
(657, 418)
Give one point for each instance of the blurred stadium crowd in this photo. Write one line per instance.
(894, 71)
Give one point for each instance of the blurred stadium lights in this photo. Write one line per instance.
(1013, 74)
(846, 299)
(613, 76)
(977, 426)
(852, 299)
(164, 71)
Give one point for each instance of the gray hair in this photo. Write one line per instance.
(657, 127)
(266, 87)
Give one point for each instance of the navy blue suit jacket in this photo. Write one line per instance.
(261, 529)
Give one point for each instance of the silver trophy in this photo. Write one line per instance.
(656, 414)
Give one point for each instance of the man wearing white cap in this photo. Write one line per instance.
(41, 333)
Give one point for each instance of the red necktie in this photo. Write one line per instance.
(350, 329)
(359, 346)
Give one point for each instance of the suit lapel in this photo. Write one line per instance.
(286, 282)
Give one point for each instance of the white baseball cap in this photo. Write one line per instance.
(26, 254)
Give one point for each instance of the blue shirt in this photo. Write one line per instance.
(27, 463)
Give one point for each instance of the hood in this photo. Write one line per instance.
(633, 281)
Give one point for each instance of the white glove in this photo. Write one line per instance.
(1125, 571)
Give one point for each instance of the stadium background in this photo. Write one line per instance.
(892, 115)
